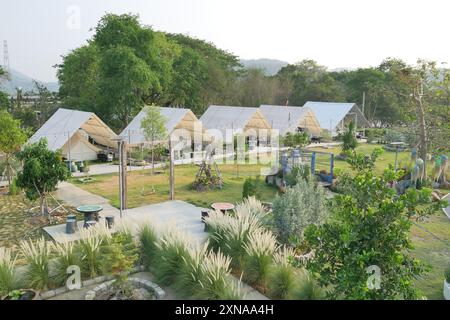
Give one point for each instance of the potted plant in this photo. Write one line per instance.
(22, 294)
(447, 283)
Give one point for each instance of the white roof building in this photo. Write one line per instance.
(176, 118)
(291, 119)
(333, 116)
(234, 119)
(79, 135)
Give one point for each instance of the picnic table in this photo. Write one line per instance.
(224, 207)
(90, 213)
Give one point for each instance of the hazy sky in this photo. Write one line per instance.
(336, 33)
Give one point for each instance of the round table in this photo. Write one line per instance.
(222, 206)
(90, 213)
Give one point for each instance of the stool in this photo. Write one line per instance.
(109, 221)
(72, 217)
(71, 226)
(205, 213)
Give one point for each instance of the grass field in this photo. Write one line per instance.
(140, 183)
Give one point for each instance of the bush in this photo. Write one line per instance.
(282, 281)
(120, 254)
(37, 254)
(172, 251)
(394, 136)
(349, 141)
(300, 206)
(307, 289)
(8, 279)
(229, 233)
(259, 251)
(249, 188)
(190, 273)
(447, 274)
(90, 249)
(13, 188)
(298, 172)
(66, 256)
(148, 240)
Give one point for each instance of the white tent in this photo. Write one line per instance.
(333, 116)
(176, 118)
(291, 119)
(234, 119)
(79, 135)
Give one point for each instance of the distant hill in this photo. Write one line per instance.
(270, 66)
(20, 80)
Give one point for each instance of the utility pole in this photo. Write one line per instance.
(70, 157)
(171, 172)
(363, 102)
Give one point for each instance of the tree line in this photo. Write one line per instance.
(126, 65)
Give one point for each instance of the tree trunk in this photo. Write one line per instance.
(423, 132)
(42, 205)
(8, 171)
(153, 162)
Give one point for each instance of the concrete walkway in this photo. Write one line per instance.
(182, 215)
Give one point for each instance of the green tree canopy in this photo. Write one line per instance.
(41, 173)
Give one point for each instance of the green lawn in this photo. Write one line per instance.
(140, 183)
(433, 249)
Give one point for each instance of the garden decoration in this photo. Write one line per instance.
(90, 213)
(208, 175)
(417, 173)
(440, 172)
(223, 207)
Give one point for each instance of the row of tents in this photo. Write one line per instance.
(83, 135)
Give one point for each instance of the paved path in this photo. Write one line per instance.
(179, 214)
(447, 210)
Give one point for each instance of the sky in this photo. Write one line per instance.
(335, 33)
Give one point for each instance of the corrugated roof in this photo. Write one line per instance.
(135, 133)
(227, 117)
(64, 123)
(330, 114)
(283, 118)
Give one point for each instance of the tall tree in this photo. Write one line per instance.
(310, 81)
(154, 126)
(11, 139)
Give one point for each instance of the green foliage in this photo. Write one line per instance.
(13, 188)
(119, 254)
(8, 276)
(11, 139)
(297, 172)
(90, 249)
(282, 276)
(307, 288)
(447, 274)
(298, 139)
(37, 254)
(148, 248)
(349, 141)
(42, 171)
(370, 226)
(259, 250)
(230, 233)
(300, 206)
(250, 187)
(66, 255)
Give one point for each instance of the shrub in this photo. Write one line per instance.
(66, 256)
(13, 188)
(259, 250)
(90, 249)
(147, 240)
(307, 289)
(190, 272)
(447, 274)
(119, 254)
(249, 188)
(300, 206)
(282, 281)
(37, 254)
(349, 141)
(298, 172)
(8, 279)
(172, 251)
(216, 282)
